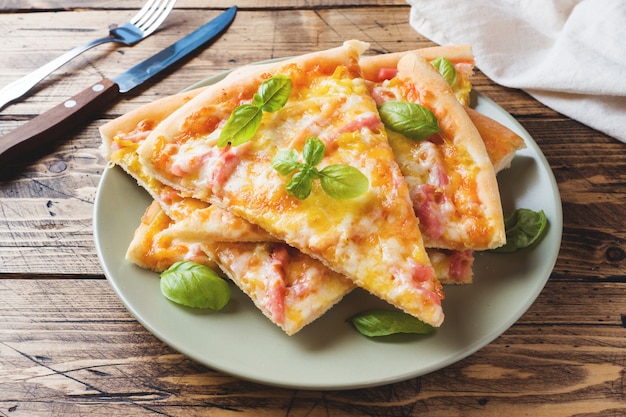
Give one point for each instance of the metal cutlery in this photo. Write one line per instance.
(144, 23)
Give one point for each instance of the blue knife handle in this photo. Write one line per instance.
(57, 121)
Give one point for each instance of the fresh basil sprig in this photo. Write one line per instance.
(446, 69)
(380, 322)
(412, 120)
(194, 285)
(523, 227)
(340, 181)
(245, 120)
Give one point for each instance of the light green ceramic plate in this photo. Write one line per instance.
(330, 354)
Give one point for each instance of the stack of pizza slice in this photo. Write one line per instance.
(427, 204)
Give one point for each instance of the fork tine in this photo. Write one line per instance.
(153, 10)
(149, 25)
(141, 13)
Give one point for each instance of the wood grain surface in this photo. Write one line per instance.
(68, 346)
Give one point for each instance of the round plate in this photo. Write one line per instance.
(329, 353)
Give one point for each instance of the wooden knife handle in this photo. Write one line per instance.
(57, 121)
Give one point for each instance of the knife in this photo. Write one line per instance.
(61, 118)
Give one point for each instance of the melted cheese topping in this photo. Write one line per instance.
(194, 218)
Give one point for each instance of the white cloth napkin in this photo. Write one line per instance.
(568, 54)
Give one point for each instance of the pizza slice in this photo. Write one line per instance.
(451, 178)
(373, 239)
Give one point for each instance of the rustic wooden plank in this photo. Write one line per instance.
(46, 213)
(68, 347)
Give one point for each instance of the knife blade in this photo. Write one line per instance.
(51, 124)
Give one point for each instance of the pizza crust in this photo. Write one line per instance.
(457, 54)
(500, 142)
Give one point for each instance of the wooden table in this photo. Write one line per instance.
(69, 347)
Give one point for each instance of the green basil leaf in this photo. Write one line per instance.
(286, 161)
(446, 69)
(313, 152)
(343, 182)
(339, 181)
(273, 93)
(245, 120)
(194, 285)
(374, 323)
(241, 125)
(523, 227)
(300, 185)
(414, 121)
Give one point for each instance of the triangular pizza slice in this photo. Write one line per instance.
(451, 178)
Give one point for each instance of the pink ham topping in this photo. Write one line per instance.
(276, 283)
(224, 167)
(426, 199)
(386, 74)
(461, 264)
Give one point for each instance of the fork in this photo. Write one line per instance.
(147, 20)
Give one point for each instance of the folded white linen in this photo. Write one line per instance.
(568, 54)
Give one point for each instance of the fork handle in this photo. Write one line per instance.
(57, 121)
(21, 86)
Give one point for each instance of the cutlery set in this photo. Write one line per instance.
(142, 25)
(60, 118)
